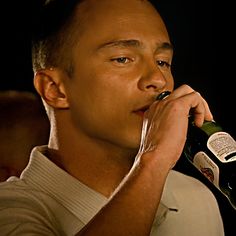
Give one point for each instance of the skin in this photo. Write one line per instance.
(121, 63)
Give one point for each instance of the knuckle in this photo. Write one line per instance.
(175, 104)
(187, 88)
(197, 93)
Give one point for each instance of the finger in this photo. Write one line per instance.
(199, 109)
(181, 91)
(209, 115)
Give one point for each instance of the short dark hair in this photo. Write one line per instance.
(53, 34)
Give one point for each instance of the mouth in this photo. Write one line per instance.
(142, 110)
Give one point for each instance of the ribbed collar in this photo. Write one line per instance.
(79, 199)
(44, 175)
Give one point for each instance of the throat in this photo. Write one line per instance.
(102, 173)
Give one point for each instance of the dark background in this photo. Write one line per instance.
(202, 35)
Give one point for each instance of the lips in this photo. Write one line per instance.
(142, 110)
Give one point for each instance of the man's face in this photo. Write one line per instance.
(121, 65)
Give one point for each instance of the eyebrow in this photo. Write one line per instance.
(165, 46)
(135, 44)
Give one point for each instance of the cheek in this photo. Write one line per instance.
(102, 108)
(92, 102)
(170, 82)
(172, 85)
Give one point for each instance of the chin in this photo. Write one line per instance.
(132, 140)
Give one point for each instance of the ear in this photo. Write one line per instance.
(49, 84)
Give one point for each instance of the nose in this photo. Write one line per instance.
(153, 79)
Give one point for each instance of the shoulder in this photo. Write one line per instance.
(193, 203)
(180, 179)
(16, 194)
(185, 187)
(21, 205)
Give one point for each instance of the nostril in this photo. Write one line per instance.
(151, 86)
(152, 80)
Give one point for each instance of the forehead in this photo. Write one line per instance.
(119, 17)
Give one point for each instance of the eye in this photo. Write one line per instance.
(163, 64)
(121, 60)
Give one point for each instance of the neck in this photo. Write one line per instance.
(98, 164)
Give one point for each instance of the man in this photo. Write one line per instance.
(107, 169)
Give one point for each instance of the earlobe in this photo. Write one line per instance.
(49, 85)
